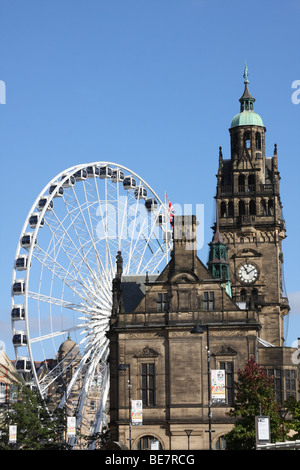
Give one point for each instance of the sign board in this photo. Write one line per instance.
(136, 412)
(218, 389)
(262, 427)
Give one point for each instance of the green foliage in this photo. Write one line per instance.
(254, 397)
(293, 423)
(99, 438)
(36, 428)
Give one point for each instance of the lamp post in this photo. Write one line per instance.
(124, 367)
(282, 413)
(198, 330)
(188, 433)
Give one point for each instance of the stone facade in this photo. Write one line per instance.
(166, 366)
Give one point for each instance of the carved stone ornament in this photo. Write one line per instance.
(146, 352)
(225, 351)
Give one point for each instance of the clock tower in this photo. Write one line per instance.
(250, 220)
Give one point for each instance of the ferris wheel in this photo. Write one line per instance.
(64, 266)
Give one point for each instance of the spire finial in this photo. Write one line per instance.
(246, 74)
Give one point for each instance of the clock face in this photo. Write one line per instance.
(248, 273)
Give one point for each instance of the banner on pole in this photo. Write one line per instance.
(71, 426)
(218, 389)
(137, 412)
(12, 433)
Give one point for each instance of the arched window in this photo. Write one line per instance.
(241, 208)
(220, 444)
(247, 140)
(254, 297)
(252, 207)
(230, 209)
(223, 210)
(241, 183)
(270, 207)
(243, 295)
(263, 207)
(251, 183)
(148, 443)
(258, 140)
(254, 294)
(224, 272)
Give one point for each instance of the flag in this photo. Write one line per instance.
(171, 211)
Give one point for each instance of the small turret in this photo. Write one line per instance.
(218, 264)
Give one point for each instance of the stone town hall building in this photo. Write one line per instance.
(237, 299)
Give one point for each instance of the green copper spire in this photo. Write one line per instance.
(247, 100)
(246, 116)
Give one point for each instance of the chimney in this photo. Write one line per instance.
(185, 243)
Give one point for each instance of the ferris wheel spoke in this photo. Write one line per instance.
(136, 235)
(59, 370)
(154, 248)
(81, 290)
(101, 271)
(86, 229)
(101, 408)
(64, 241)
(77, 227)
(59, 302)
(54, 334)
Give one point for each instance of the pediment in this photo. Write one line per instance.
(184, 277)
(225, 351)
(146, 352)
(247, 252)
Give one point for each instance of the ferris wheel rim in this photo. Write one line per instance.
(59, 183)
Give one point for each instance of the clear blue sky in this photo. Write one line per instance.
(152, 85)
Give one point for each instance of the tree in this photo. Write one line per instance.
(36, 428)
(254, 396)
(99, 438)
(292, 407)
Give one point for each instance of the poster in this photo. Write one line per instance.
(136, 412)
(263, 428)
(71, 426)
(12, 434)
(218, 390)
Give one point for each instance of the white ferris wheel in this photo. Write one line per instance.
(64, 266)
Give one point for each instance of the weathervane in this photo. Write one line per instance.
(246, 74)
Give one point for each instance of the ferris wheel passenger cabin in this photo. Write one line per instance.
(44, 202)
(105, 172)
(129, 183)
(23, 365)
(140, 193)
(18, 312)
(117, 176)
(151, 204)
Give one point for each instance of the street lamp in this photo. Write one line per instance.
(188, 433)
(198, 330)
(124, 367)
(282, 413)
